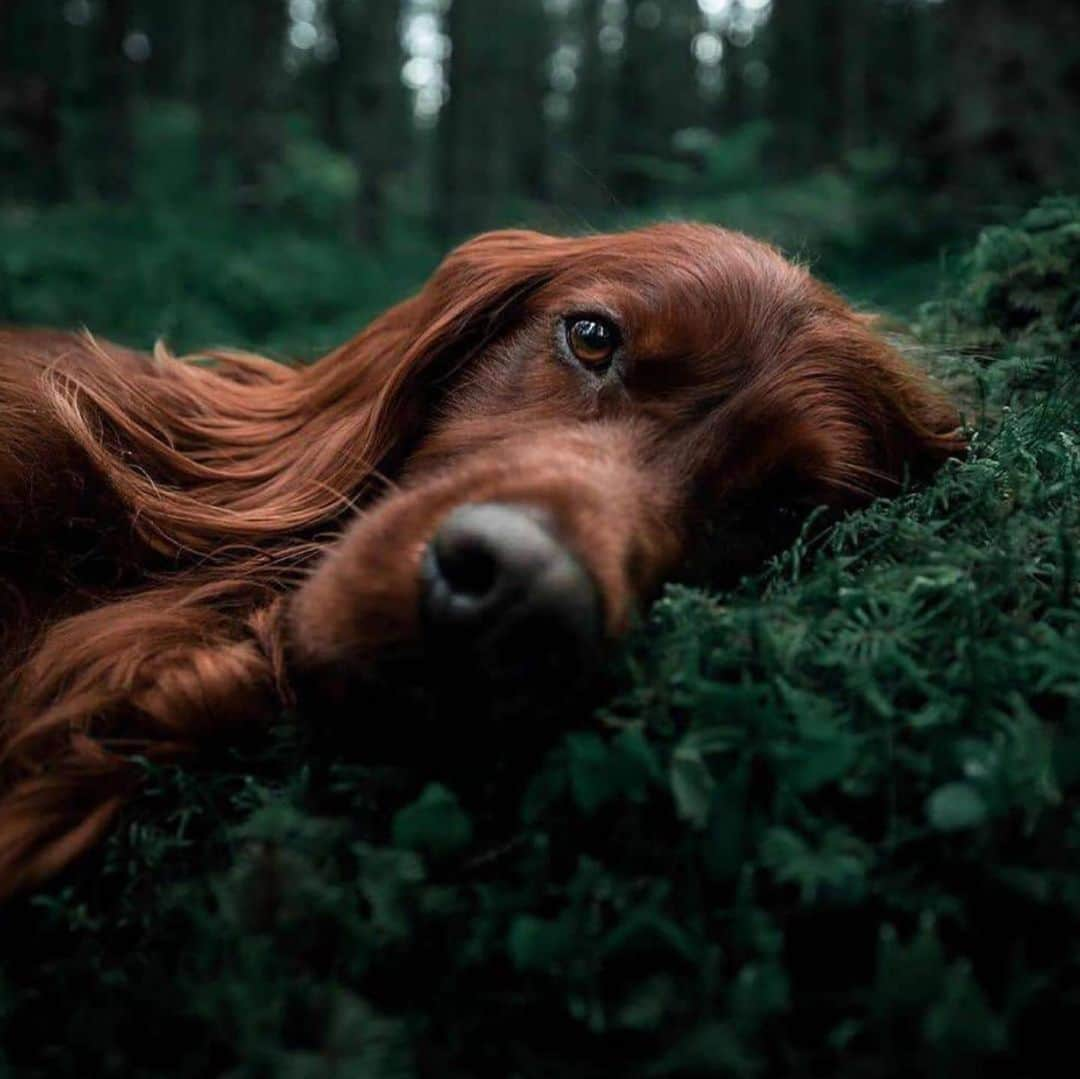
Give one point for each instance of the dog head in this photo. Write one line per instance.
(576, 420)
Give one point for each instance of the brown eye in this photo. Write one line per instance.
(592, 340)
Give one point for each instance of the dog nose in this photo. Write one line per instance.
(496, 575)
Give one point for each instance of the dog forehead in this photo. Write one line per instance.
(684, 270)
(703, 258)
(688, 289)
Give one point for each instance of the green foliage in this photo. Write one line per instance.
(851, 213)
(1022, 287)
(199, 277)
(434, 824)
(827, 825)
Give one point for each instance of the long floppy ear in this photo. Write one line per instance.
(471, 299)
(249, 451)
(888, 423)
(842, 418)
(914, 427)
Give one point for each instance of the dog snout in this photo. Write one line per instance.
(497, 576)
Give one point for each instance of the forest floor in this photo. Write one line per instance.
(827, 823)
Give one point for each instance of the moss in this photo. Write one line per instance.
(1021, 292)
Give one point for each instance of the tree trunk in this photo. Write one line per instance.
(255, 106)
(591, 118)
(331, 92)
(383, 129)
(113, 92)
(854, 69)
(467, 123)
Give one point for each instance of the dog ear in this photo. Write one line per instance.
(913, 426)
(844, 418)
(472, 298)
(883, 420)
(372, 396)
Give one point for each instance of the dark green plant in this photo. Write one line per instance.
(1021, 288)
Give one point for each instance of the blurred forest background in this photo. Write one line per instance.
(273, 172)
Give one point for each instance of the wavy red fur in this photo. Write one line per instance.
(183, 537)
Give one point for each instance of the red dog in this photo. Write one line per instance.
(500, 469)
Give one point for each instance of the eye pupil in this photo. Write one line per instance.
(591, 340)
(591, 333)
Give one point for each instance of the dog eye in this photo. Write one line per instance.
(592, 340)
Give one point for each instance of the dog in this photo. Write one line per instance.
(491, 479)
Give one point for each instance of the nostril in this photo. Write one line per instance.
(466, 563)
(495, 576)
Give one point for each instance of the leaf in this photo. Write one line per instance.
(760, 991)
(389, 880)
(961, 1022)
(648, 1003)
(434, 824)
(908, 976)
(546, 788)
(691, 784)
(592, 774)
(836, 870)
(822, 762)
(712, 1049)
(651, 932)
(956, 807)
(636, 763)
(725, 834)
(540, 944)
